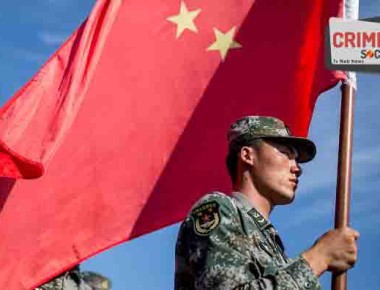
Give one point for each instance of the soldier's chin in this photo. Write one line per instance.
(286, 199)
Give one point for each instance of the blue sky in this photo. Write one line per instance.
(32, 30)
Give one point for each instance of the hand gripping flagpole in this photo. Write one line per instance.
(343, 189)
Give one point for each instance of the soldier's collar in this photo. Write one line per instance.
(247, 205)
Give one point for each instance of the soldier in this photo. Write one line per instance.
(96, 281)
(69, 280)
(228, 242)
(74, 279)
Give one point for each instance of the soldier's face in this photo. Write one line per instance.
(275, 172)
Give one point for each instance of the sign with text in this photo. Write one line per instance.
(353, 44)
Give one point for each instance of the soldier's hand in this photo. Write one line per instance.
(335, 251)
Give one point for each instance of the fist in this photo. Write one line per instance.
(335, 251)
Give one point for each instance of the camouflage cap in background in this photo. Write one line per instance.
(250, 128)
(96, 281)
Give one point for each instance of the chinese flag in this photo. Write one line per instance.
(125, 126)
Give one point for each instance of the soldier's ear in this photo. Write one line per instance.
(247, 155)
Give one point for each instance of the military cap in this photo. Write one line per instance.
(96, 281)
(250, 128)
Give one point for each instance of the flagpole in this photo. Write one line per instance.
(343, 186)
(343, 189)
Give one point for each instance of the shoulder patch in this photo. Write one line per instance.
(206, 218)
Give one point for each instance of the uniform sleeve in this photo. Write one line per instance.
(220, 255)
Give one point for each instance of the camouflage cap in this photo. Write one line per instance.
(249, 128)
(96, 281)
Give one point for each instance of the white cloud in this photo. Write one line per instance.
(52, 39)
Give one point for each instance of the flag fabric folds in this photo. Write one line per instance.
(124, 127)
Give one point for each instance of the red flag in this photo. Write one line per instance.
(128, 120)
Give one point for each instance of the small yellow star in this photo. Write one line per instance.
(184, 20)
(224, 42)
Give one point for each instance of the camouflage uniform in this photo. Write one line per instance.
(70, 280)
(225, 243)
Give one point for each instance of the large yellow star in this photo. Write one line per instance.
(224, 42)
(185, 19)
